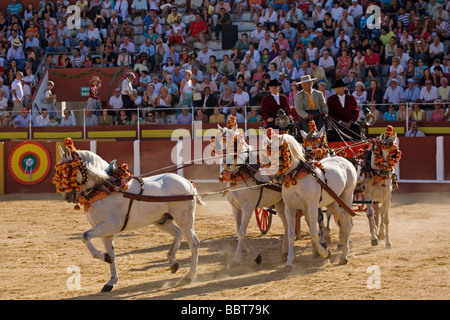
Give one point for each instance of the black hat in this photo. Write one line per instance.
(338, 84)
(274, 83)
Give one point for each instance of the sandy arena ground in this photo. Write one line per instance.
(41, 254)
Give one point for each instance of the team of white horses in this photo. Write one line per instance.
(298, 179)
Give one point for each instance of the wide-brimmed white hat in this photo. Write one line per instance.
(306, 78)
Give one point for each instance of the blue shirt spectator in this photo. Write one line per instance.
(185, 117)
(23, 119)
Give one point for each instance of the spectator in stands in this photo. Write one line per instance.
(412, 92)
(115, 101)
(393, 94)
(68, 119)
(429, 92)
(6, 120)
(438, 113)
(90, 118)
(418, 113)
(404, 112)
(217, 117)
(241, 98)
(414, 131)
(43, 119)
(185, 117)
(444, 90)
(23, 119)
(391, 114)
(197, 31)
(17, 94)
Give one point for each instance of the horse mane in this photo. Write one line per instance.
(95, 164)
(296, 148)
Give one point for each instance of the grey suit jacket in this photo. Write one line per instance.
(302, 102)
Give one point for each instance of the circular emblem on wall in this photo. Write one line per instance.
(29, 162)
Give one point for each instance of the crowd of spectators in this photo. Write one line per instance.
(393, 64)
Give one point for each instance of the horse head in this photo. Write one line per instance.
(386, 152)
(78, 171)
(388, 138)
(282, 155)
(230, 143)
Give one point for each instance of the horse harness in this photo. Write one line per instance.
(305, 168)
(114, 184)
(378, 175)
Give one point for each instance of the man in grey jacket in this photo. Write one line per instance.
(310, 105)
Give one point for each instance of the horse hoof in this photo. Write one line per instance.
(374, 242)
(107, 288)
(185, 281)
(388, 245)
(343, 261)
(287, 268)
(234, 264)
(174, 267)
(258, 259)
(108, 258)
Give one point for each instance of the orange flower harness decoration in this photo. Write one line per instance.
(393, 156)
(283, 156)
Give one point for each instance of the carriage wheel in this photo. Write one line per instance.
(263, 219)
(298, 216)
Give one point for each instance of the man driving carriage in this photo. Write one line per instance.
(272, 104)
(343, 112)
(310, 105)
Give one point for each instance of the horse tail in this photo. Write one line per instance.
(198, 199)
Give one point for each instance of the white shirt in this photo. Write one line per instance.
(241, 99)
(263, 44)
(342, 100)
(277, 98)
(257, 35)
(126, 86)
(17, 85)
(41, 121)
(203, 57)
(429, 95)
(116, 103)
(355, 11)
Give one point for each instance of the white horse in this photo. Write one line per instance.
(305, 193)
(378, 177)
(250, 195)
(112, 214)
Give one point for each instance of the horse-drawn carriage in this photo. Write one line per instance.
(363, 155)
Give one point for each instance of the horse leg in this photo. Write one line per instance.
(100, 230)
(312, 217)
(105, 232)
(194, 244)
(175, 232)
(372, 225)
(280, 212)
(184, 215)
(384, 224)
(290, 218)
(345, 222)
(328, 228)
(322, 229)
(109, 246)
(246, 215)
